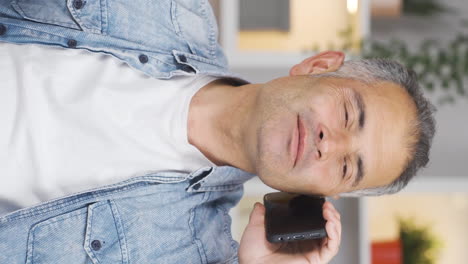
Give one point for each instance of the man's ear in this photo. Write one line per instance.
(327, 61)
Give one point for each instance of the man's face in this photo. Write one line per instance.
(330, 135)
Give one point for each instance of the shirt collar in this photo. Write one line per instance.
(222, 178)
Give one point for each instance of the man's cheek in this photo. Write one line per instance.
(324, 177)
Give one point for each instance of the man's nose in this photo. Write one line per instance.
(329, 143)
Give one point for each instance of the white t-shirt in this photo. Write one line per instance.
(72, 120)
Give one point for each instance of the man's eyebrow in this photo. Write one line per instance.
(360, 171)
(359, 102)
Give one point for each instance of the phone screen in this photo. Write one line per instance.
(292, 217)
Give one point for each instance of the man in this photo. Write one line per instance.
(106, 165)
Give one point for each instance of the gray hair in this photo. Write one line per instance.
(375, 70)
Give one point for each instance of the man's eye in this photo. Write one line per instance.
(346, 116)
(345, 168)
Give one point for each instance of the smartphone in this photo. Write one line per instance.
(292, 217)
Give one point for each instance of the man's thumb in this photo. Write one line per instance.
(257, 216)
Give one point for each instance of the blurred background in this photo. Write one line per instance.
(428, 221)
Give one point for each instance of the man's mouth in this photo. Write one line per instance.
(300, 142)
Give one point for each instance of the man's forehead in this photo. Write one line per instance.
(389, 113)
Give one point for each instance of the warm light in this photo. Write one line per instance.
(460, 201)
(352, 6)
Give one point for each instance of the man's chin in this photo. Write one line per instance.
(281, 183)
(276, 181)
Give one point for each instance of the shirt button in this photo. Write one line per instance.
(72, 43)
(78, 4)
(143, 58)
(196, 186)
(3, 29)
(182, 58)
(96, 245)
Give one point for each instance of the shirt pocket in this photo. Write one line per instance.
(92, 234)
(195, 22)
(85, 15)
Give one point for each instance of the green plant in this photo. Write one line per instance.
(440, 68)
(419, 245)
(423, 7)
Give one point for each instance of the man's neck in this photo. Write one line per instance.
(219, 116)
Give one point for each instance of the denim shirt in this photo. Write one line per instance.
(156, 218)
(162, 38)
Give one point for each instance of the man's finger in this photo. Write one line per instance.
(330, 207)
(330, 247)
(257, 216)
(334, 243)
(333, 227)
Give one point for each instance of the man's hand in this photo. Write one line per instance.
(254, 248)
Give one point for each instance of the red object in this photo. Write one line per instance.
(389, 252)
